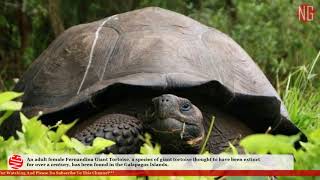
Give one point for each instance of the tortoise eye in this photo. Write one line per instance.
(185, 107)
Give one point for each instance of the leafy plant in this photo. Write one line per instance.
(37, 138)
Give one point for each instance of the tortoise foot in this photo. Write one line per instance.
(124, 130)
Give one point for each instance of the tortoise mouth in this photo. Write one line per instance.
(182, 138)
(177, 130)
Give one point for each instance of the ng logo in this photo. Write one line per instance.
(306, 12)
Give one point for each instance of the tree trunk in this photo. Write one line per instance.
(24, 26)
(55, 19)
(232, 11)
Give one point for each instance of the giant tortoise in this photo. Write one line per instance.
(151, 70)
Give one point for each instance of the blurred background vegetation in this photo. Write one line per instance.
(268, 30)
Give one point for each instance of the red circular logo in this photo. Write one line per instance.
(306, 12)
(15, 161)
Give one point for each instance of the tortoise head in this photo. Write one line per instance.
(176, 124)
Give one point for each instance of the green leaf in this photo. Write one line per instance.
(147, 147)
(98, 145)
(8, 96)
(11, 106)
(34, 131)
(266, 143)
(72, 143)
(61, 130)
(5, 116)
(24, 120)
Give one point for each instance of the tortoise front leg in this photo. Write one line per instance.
(124, 130)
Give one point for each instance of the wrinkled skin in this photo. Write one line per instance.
(176, 124)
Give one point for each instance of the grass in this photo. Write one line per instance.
(302, 98)
(207, 136)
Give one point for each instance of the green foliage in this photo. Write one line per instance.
(148, 147)
(7, 105)
(37, 138)
(7, 96)
(308, 158)
(278, 144)
(277, 40)
(302, 100)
